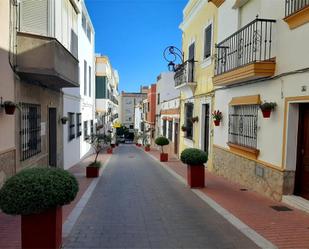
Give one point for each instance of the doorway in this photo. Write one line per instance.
(52, 117)
(176, 131)
(302, 166)
(206, 116)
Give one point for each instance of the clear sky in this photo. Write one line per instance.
(134, 33)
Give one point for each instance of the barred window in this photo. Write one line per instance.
(91, 127)
(78, 124)
(243, 125)
(86, 130)
(30, 133)
(188, 120)
(71, 126)
(170, 130)
(164, 128)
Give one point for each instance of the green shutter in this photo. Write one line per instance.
(100, 82)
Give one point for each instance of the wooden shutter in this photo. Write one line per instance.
(34, 16)
(207, 42)
(191, 51)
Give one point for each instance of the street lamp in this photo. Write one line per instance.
(171, 54)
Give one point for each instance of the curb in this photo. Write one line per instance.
(77, 210)
(233, 220)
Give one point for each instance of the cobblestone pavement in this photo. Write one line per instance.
(137, 204)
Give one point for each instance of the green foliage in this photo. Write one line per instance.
(268, 106)
(193, 156)
(32, 191)
(96, 164)
(162, 141)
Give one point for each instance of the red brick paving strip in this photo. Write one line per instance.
(288, 229)
(10, 236)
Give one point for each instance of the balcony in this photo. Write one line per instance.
(296, 13)
(45, 61)
(246, 55)
(185, 76)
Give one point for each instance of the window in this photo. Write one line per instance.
(89, 32)
(170, 130)
(79, 124)
(91, 127)
(158, 98)
(164, 128)
(86, 130)
(71, 126)
(243, 125)
(148, 107)
(84, 22)
(100, 89)
(85, 77)
(30, 130)
(207, 41)
(188, 120)
(90, 82)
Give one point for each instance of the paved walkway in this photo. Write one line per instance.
(137, 204)
(285, 229)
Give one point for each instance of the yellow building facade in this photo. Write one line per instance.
(194, 77)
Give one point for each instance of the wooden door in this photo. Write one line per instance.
(52, 137)
(302, 168)
(191, 63)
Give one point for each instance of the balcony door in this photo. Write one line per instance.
(190, 64)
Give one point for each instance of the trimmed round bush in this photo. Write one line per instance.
(161, 141)
(193, 156)
(34, 190)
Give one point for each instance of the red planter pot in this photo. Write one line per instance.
(266, 113)
(42, 230)
(139, 145)
(9, 109)
(113, 145)
(196, 176)
(217, 122)
(163, 157)
(147, 148)
(92, 171)
(110, 151)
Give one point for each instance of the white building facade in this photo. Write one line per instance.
(262, 57)
(79, 103)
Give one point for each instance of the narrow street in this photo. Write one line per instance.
(138, 204)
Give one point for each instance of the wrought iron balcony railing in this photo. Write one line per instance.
(184, 73)
(252, 43)
(292, 6)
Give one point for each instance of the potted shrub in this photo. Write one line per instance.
(38, 195)
(267, 108)
(9, 107)
(147, 147)
(96, 141)
(217, 117)
(195, 159)
(162, 141)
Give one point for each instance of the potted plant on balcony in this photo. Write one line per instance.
(267, 108)
(217, 117)
(147, 147)
(96, 141)
(162, 141)
(10, 107)
(195, 159)
(38, 195)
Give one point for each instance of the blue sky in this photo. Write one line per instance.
(134, 33)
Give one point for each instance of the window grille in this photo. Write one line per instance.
(30, 133)
(170, 130)
(79, 124)
(71, 126)
(243, 125)
(188, 121)
(85, 130)
(91, 127)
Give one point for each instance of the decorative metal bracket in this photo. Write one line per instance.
(170, 54)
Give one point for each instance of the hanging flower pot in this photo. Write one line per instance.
(217, 117)
(184, 128)
(64, 120)
(267, 108)
(9, 107)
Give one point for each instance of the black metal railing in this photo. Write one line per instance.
(292, 6)
(252, 43)
(184, 73)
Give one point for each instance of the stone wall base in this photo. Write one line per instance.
(7, 165)
(255, 176)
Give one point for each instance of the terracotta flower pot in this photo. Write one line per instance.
(110, 151)
(147, 148)
(196, 176)
(92, 171)
(217, 122)
(9, 109)
(266, 113)
(42, 230)
(163, 157)
(139, 145)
